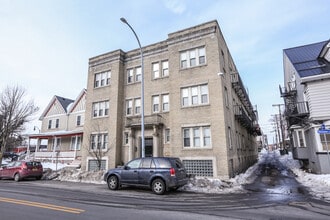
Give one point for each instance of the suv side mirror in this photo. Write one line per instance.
(126, 167)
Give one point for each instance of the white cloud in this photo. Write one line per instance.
(176, 6)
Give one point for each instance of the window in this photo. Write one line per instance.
(138, 74)
(191, 58)
(226, 97)
(197, 137)
(93, 165)
(183, 60)
(155, 103)
(126, 138)
(130, 76)
(102, 79)
(129, 107)
(57, 125)
(301, 138)
(99, 141)
(134, 164)
(137, 106)
(75, 143)
(201, 57)
(56, 143)
(204, 94)
(207, 136)
(155, 70)
(100, 109)
(167, 135)
(325, 141)
(49, 124)
(78, 120)
(186, 137)
(196, 95)
(165, 103)
(165, 71)
(230, 140)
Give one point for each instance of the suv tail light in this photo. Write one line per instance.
(172, 172)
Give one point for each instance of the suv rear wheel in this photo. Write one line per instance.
(158, 186)
(113, 183)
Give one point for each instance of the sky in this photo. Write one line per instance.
(45, 44)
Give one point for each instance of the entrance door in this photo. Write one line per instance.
(148, 146)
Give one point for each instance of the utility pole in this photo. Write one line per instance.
(281, 124)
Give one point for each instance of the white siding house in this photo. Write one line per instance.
(306, 94)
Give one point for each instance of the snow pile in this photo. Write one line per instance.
(318, 184)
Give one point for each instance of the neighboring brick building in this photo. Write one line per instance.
(196, 106)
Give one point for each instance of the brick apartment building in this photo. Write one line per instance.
(196, 106)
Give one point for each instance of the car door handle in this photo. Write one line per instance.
(151, 171)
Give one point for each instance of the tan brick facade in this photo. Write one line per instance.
(189, 106)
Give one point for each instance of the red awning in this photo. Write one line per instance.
(47, 135)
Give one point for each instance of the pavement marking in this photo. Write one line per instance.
(42, 205)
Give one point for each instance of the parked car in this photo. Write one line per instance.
(161, 174)
(10, 155)
(19, 170)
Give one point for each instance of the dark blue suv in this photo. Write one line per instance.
(158, 173)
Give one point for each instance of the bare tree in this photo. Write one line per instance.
(15, 111)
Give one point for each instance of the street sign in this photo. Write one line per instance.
(323, 130)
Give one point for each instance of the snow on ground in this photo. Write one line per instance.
(319, 185)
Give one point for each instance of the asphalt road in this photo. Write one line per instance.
(274, 195)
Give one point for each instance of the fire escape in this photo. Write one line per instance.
(244, 113)
(295, 112)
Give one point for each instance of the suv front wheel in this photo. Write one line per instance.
(158, 186)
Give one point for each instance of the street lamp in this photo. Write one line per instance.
(142, 88)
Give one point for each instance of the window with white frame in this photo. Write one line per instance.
(137, 106)
(49, 124)
(193, 57)
(100, 109)
(102, 79)
(165, 71)
(129, 107)
(57, 124)
(165, 103)
(167, 135)
(155, 70)
(130, 76)
(196, 137)
(195, 95)
(79, 121)
(75, 143)
(99, 141)
(126, 138)
(325, 139)
(299, 138)
(138, 74)
(155, 103)
(56, 143)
